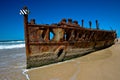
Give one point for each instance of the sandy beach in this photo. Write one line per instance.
(100, 65)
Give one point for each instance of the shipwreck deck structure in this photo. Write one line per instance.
(68, 40)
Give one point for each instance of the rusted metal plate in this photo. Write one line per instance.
(68, 40)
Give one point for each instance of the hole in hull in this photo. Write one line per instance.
(51, 35)
(60, 52)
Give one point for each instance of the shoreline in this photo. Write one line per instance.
(25, 71)
(12, 63)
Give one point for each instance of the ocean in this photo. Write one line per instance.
(12, 60)
(101, 65)
(10, 44)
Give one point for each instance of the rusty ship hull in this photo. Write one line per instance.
(69, 40)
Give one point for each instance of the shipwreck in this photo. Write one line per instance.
(69, 40)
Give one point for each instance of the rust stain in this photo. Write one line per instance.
(69, 40)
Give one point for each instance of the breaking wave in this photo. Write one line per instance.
(12, 44)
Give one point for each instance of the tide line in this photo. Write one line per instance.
(25, 73)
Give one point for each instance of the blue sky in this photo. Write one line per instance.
(107, 12)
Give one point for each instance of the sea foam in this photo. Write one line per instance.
(11, 44)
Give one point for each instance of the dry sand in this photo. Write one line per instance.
(100, 65)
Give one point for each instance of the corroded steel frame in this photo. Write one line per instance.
(69, 40)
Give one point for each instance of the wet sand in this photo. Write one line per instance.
(99, 65)
(12, 64)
